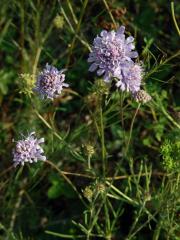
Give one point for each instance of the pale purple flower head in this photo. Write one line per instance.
(130, 77)
(110, 52)
(28, 150)
(50, 82)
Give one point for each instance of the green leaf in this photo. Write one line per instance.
(59, 188)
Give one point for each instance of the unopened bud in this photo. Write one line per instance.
(58, 22)
(88, 193)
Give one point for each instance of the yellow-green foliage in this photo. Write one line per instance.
(171, 155)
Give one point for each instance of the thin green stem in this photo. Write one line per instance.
(39, 49)
(22, 32)
(64, 235)
(156, 68)
(131, 128)
(110, 14)
(77, 30)
(72, 12)
(121, 193)
(48, 125)
(121, 111)
(142, 226)
(84, 42)
(38, 53)
(89, 162)
(158, 174)
(160, 105)
(103, 143)
(174, 18)
(72, 151)
(117, 169)
(138, 215)
(169, 117)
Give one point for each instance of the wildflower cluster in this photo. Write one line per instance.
(111, 52)
(112, 57)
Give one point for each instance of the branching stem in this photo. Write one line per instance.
(62, 174)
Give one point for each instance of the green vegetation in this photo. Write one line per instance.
(113, 165)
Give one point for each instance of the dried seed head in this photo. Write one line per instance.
(89, 150)
(142, 97)
(147, 196)
(101, 187)
(92, 100)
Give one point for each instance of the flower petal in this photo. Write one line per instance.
(93, 67)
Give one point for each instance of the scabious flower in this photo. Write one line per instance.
(50, 82)
(142, 97)
(130, 78)
(110, 52)
(28, 150)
